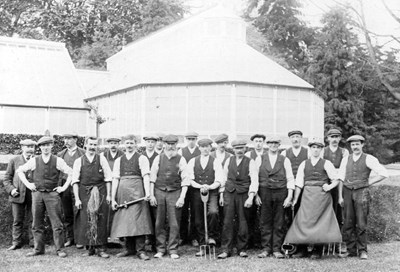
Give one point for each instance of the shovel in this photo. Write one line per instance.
(206, 248)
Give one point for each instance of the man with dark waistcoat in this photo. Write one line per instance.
(150, 142)
(335, 154)
(206, 175)
(241, 175)
(168, 187)
(258, 142)
(20, 198)
(131, 181)
(46, 169)
(188, 231)
(69, 155)
(91, 183)
(111, 154)
(160, 144)
(220, 153)
(276, 186)
(354, 194)
(296, 154)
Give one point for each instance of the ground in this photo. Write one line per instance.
(382, 257)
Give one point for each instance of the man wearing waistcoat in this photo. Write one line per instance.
(206, 175)
(276, 187)
(46, 169)
(19, 196)
(112, 153)
(354, 192)
(131, 181)
(160, 144)
(335, 154)
(220, 153)
(188, 231)
(296, 154)
(168, 187)
(258, 141)
(69, 155)
(241, 175)
(91, 183)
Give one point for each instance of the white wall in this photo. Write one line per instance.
(237, 109)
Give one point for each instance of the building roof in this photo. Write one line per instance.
(38, 73)
(207, 47)
(92, 81)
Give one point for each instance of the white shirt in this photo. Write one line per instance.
(182, 169)
(149, 154)
(103, 163)
(61, 165)
(328, 166)
(144, 165)
(113, 154)
(371, 162)
(286, 164)
(258, 153)
(253, 172)
(191, 150)
(217, 167)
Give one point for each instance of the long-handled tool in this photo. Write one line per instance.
(128, 203)
(206, 248)
(289, 249)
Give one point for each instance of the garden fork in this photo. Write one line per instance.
(206, 248)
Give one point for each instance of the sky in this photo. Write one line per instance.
(377, 18)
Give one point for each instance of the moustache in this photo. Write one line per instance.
(92, 149)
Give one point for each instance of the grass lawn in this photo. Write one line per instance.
(382, 257)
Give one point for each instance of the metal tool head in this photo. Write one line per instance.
(204, 196)
(330, 249)
(289, 249)
(208, 251)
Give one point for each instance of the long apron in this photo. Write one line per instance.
(81, 224)
(134, 220)
(315, 222)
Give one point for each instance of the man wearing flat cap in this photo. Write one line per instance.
(168, 187)
(188, 211)
(91, 183)
(112, 152)
(335, 154)
(220, 153)
(20, 198)
(150, 153)
(206, 175)
(46, 169)
(160, 144)
(276, 187)
(131, 181)
(258, 141)
(315, 222)
(354, 194)
(241, 175)
(69, 155)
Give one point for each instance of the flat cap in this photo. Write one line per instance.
(221, 138)
(273, 139)
(334, 131)
(258, 136)
(191, 134)
(113, 139)
(356, 138)
(27, 142)
(239, 143)
(294, 132)
(316, 141)
(70, 135)
(45, 140)
(170, 138)
(151, 137)
(204, 142)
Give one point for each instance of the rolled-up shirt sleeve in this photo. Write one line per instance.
(62, 166)
(253, 177)
(116, 168)
(373, 164)
(76, 171)
(300, 175)
(331, 170)
(144, 165)
(190, 169)
(342, 168)
(289, 174)
(106, 169)
(154, 169)
(183, 172)
(225, 171)
(28, 166)
(219, 172)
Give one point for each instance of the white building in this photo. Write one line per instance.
(40, 89)
(199, 74)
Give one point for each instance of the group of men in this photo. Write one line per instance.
(156, 197)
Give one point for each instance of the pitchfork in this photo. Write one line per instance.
(206, 247)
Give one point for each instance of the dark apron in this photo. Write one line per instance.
(315, 222)
(81, 224)
(134, 220)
